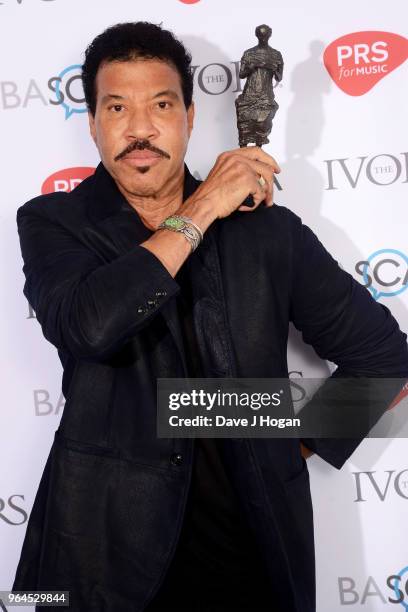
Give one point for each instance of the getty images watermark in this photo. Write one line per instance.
(277, 407)
(207, 401)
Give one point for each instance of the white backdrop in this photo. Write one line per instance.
(344, 160)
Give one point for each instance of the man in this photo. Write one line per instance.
(122, 519)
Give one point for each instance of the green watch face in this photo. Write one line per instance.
(175, 223)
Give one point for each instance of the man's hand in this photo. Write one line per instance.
(235, 175)
(306, 452)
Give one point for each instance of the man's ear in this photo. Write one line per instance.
(190, 118)
(92, 128)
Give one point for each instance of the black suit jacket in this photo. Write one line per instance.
(110, 504)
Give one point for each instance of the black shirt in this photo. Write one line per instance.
(216, 559)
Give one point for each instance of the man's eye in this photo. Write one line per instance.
(116, 108)
(163, 104)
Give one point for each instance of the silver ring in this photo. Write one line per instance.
(261, 181)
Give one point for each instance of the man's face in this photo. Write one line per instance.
(140, 102)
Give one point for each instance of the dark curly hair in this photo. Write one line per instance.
(129, 41)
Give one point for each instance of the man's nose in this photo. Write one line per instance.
(140, 125)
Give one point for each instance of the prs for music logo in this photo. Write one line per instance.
(66, 179)
(357, 61)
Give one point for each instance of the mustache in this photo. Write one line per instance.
(140, 145)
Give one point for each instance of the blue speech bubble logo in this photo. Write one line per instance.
(378, 293)
(396, 589)
(73, 105)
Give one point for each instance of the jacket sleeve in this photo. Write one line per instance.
(85, 305)
(345, 325)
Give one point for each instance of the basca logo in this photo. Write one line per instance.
(385, 273)
(69, 81)
(371, 592)
(66, 91)
(381, 170)
(11, 511)
(357, 61)
(66, 180)
(43, 405)
(31, 313)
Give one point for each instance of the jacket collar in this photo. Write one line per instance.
(106, 200)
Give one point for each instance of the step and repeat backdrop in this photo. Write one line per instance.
(341, 138)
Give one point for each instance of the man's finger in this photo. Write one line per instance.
(258, 154)
(268, 190)
(267, 173)
(258, 194)
(265, 194)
